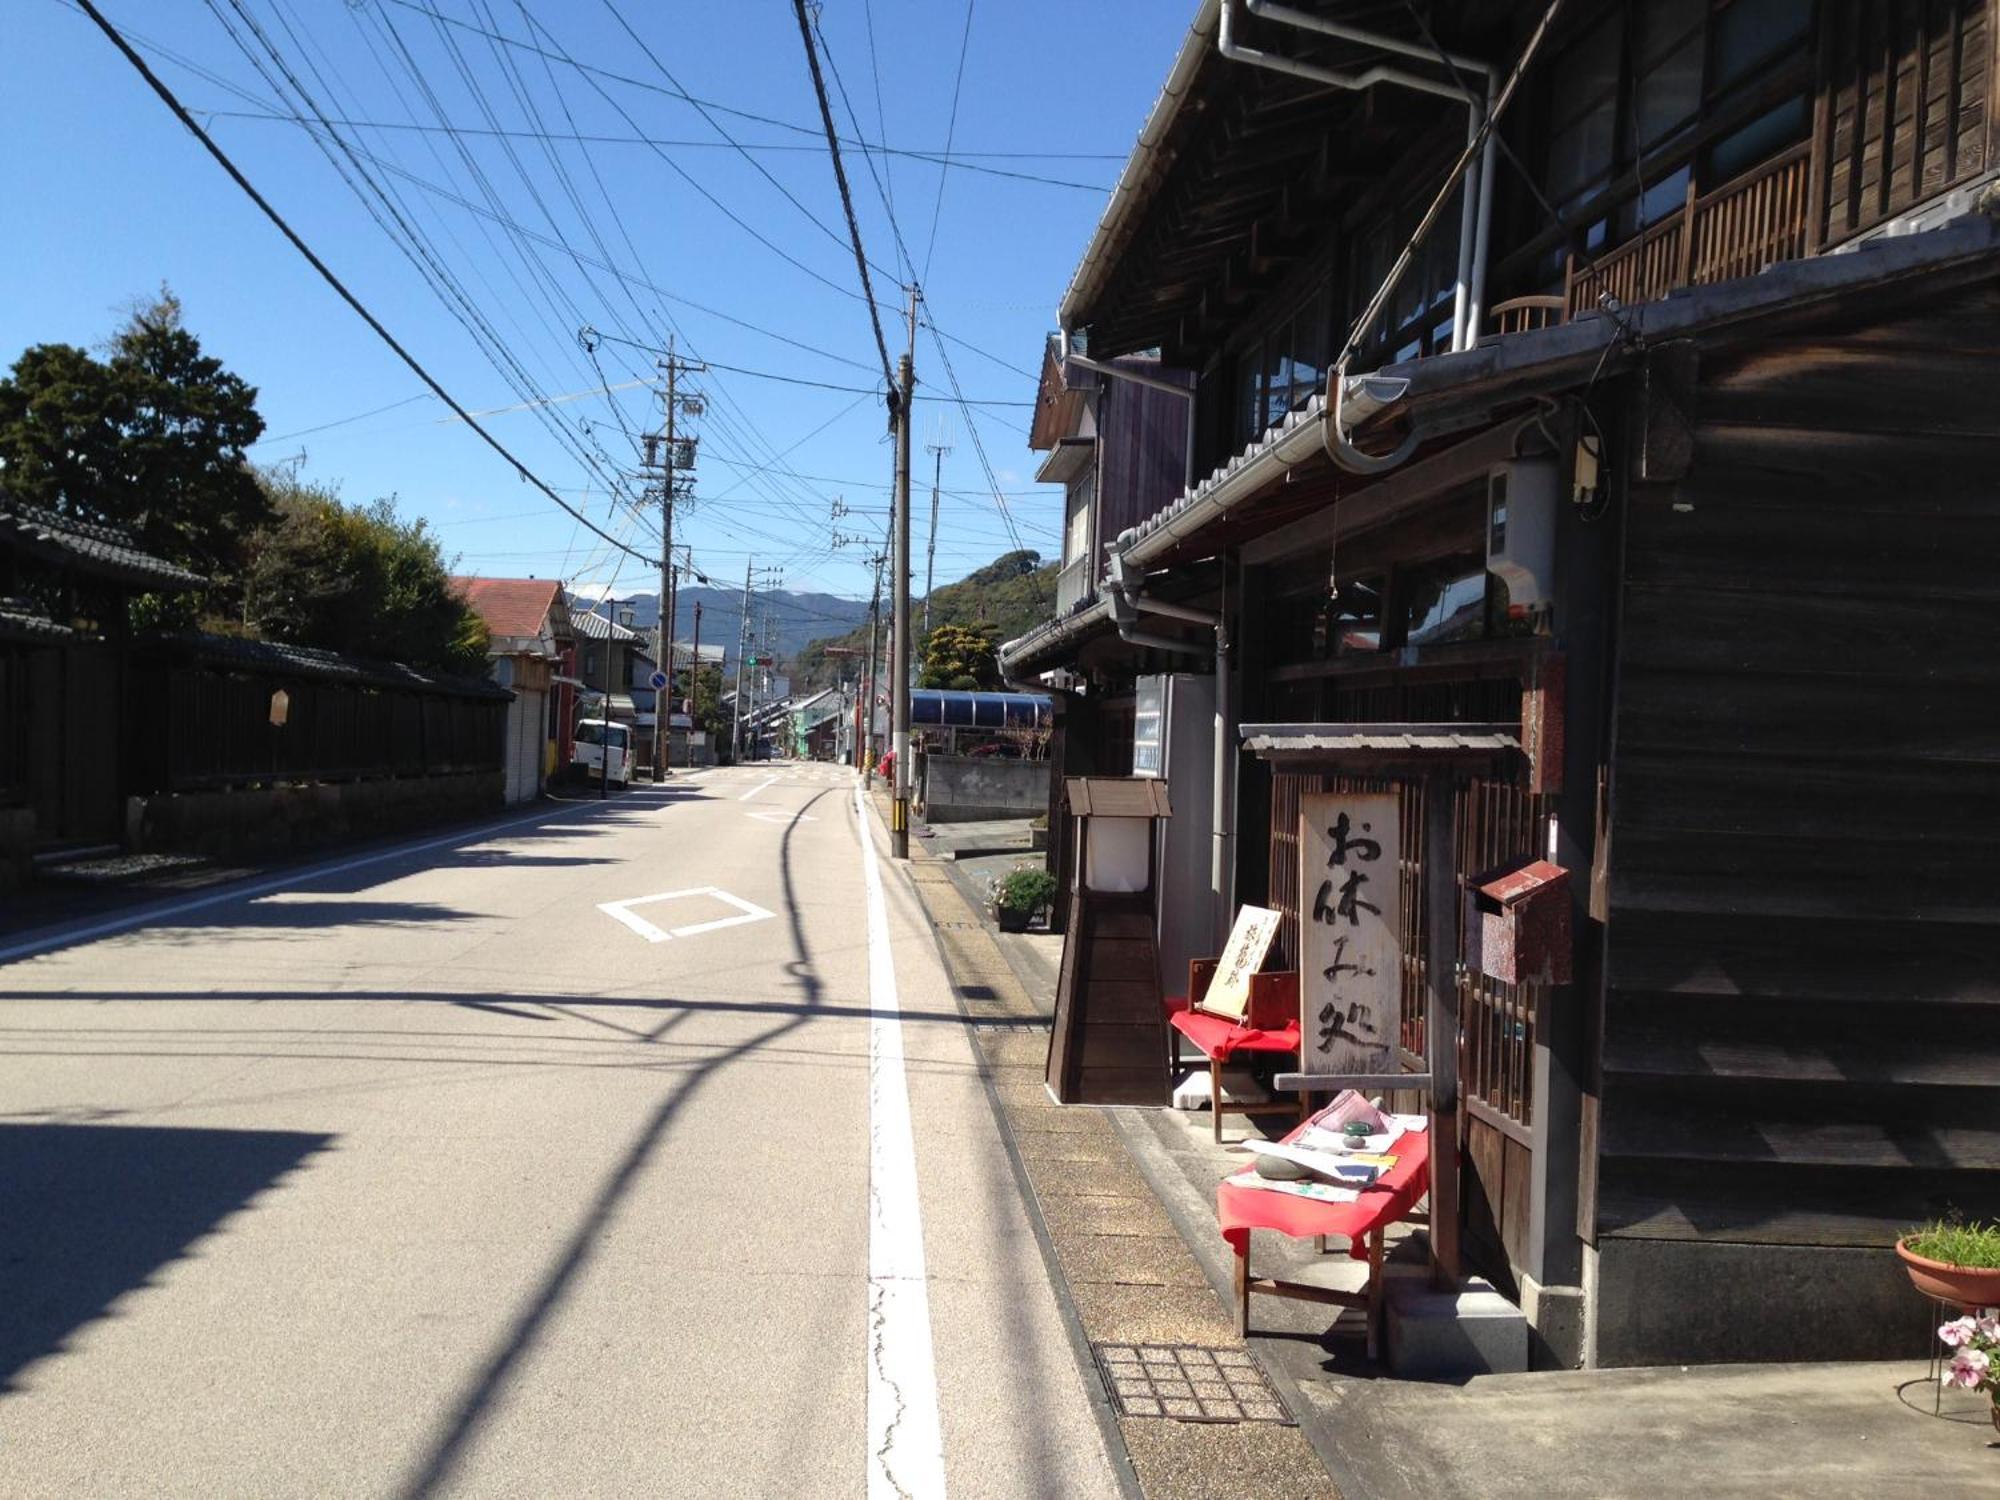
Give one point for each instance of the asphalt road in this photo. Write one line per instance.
(423, 1172)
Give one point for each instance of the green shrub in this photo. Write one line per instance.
(1025, 889)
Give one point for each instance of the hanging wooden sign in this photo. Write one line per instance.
(1350, 931)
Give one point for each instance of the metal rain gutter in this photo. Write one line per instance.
(1133, 180)
(1476, 215)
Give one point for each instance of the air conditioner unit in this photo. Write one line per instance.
(1522, 497)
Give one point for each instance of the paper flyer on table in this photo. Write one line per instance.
(1326, 1163)
(1318, 1192)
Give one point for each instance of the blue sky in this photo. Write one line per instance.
(108, 198)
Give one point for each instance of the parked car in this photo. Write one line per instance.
(599, 741)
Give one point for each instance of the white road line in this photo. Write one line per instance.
(767, 781)
(622, 911)
(905, 1442)
(126, 921)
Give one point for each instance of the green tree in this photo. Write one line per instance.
(150, 438)
(358, 579)
(960, 654)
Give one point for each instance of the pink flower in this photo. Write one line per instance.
(1989, 1324)
(1958, 1333)
(1967, 1369)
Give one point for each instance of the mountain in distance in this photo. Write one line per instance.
(1008, 597)
(795, 618)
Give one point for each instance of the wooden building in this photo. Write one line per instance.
(1670, 456)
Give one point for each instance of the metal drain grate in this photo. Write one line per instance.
(1189, 1383)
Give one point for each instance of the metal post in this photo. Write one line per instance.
(899, 669)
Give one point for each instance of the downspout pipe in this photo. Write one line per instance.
(1475, 214)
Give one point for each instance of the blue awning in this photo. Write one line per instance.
(960, 710)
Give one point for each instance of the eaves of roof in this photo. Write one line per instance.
(1135, 183)
(1449, 390)
(1046, 644)
(85, 547)
(22, 621)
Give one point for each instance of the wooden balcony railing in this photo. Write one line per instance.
(1737, 230)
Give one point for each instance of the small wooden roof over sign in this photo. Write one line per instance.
(1439, 745)
(1118, 797)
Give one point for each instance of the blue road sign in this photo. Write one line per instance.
(659, 680)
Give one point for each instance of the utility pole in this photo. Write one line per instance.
(899, 670)
(665, 463)
(937, 452)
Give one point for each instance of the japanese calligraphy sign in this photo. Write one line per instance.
(1243, 955)
(1350, 930)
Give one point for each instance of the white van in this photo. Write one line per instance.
(598, 740)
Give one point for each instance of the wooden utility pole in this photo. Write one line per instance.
(899, 667)
(694, 682)
(665, 461)
(742, 650)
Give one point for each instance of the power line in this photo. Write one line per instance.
(168, 98)
(846, 199)
(950, 134)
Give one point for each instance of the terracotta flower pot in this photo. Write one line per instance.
(1962, 1286)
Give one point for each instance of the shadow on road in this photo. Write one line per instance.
(458, 1431)
(94, 1211)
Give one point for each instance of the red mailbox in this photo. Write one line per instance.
(1517, 924)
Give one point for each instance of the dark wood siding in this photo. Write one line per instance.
(1801, 1037)
(1908, 85)
(1141, 454)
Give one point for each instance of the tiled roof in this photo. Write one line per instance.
(594, 627)
(86, 547)
(281, 659)
(22, 620)
(510, 606)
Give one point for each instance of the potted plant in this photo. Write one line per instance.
(1019, 895)
(1974, 1364)
(1952, 1261)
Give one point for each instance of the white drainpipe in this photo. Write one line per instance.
(1470, 293)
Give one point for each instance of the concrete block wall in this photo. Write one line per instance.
(962, 788)
(268, 820)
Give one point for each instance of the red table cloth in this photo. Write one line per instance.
(1389, 1198)
(1218, 1037)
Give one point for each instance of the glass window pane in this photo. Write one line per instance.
(1309, 350)
(1749, 31)
(1357, 616)
(1249, 393)
(1277, 374)
(1446, 602)
(1590, 69)
(1660, 199)
(1581, 153)
(1667, 94)
(1763, 138)
(1662, 25)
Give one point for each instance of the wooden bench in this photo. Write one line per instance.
(1270, 1024)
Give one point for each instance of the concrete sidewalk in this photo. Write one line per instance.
(1827, 1430)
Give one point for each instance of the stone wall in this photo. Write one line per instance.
(961, 788)
(273, 819)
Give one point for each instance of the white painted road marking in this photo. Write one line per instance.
(767, 781)
(779, 815)
(905, 1441)
(622, 911)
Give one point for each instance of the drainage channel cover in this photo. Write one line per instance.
(1189, 1383)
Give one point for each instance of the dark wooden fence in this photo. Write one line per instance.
(201, 712)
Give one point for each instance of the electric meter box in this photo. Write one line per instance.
(1521, 500)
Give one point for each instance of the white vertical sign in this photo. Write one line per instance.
(1350, 930)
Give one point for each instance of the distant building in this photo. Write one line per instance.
(529, 631)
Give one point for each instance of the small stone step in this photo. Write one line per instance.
(1445, 1335)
